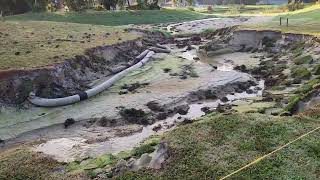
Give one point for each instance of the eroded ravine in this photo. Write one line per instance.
(197, 66)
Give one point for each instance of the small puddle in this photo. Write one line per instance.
(225, 65)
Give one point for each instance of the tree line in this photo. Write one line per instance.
(10, 7)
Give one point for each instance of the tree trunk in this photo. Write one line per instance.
(128, 3)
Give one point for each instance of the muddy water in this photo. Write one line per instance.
(118, 144)
(67, 145)
(70, 149)
(163, 88)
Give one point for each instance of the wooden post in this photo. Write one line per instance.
(280, 21)
(1, 16)
(287, 22)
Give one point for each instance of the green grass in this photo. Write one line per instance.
(305, 21)
(217, 145)
(36, 40)
(118, 18)
(44, 43)
(300, 73)
(303, 92)
(306, 59)
(23, 164)
(241, 9)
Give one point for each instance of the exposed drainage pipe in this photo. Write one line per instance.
(159, 50)
(144, 57)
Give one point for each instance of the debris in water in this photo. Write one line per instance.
(68, 122)
(224, 99)
(154, 106)
(134, 86)
(166, 70)
(133, 115)
(157, 128)
(182, 109)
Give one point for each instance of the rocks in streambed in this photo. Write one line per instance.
(106, 122)
(182, 109)
(166, 70)
(137, 116)
(224, 99)
(220, 92)
(250, 91)
(223, 108)
(195, 38)
(155, 106)
(160, 112)
(122, 131)
(68, 122)
(157, 127)
(210, 94)
(196, 58)
(186, 71)
(132, 87)
(206, 110)
(162, 115)
(241, 68)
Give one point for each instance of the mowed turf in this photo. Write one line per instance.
(40, 39)
(301, 23)
(31, 44)
(114, 18)
(217, 145)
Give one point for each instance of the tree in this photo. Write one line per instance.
(76, 5)
(110, 4)
(190, 2)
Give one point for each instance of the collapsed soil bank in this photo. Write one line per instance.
(73, 75)
(164, 88)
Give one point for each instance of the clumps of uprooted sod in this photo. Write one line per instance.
(110, 165)
(216, 145)
(126, 88)
(186, 71)
(301, 73)
(137, 116)
(304, 93)
(303, 60)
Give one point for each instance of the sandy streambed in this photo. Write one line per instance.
(84, 140)
(78, 148)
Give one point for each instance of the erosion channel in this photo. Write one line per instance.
(219, 71)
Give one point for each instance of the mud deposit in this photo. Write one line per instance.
(213, 72)
(182, 83)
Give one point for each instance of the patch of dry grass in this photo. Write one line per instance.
(30, 44)
(20, 163)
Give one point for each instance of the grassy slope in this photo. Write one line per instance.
(23, 164)
(44, 43)
(30, 40)
(239, 10)
(114, 18)
(220, 144)
(303, 21)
